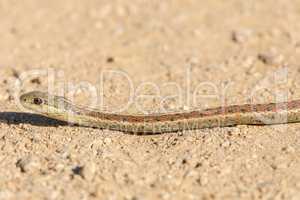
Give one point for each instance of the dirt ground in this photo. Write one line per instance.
(158, 56)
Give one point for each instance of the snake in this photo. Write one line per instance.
(62, 109)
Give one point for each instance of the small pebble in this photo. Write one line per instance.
(110, 60)
(204, 179)
(240, 36)
(248, 62)
(270, 58)
(288, 149)
(107, 141)
(225, 144)
(185, 108)
(89, 171)
(78, 170)
(28, 164)
(36, 81)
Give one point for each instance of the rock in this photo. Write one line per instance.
(241, 36)
(270, 57)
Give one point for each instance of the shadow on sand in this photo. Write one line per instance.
(29, 118)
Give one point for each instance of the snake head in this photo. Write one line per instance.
(44, 103)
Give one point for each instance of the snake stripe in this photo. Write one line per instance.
(59, 108)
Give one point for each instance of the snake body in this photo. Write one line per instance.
(60, 108)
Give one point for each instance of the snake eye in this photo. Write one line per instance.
(37, 101)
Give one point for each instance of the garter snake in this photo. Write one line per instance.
(60, 108)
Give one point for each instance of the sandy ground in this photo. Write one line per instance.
(183, 54)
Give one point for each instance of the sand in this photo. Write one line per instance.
(144, 57)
